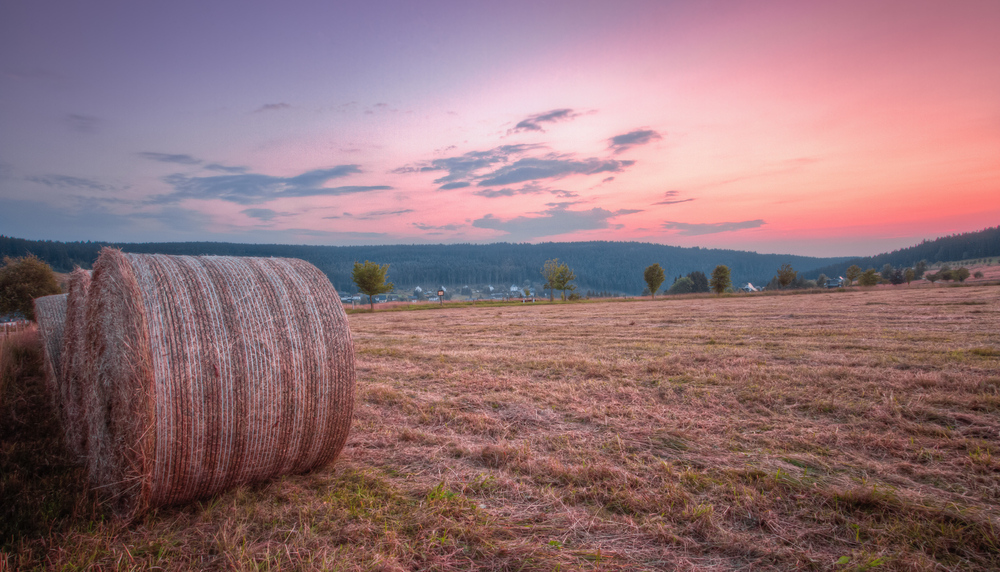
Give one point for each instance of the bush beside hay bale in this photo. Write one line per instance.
(74, 364)
(50, 315)
(210, 372)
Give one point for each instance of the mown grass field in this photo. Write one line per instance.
(838, 430)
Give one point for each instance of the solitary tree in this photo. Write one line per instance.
(852, 274)
(786, 275)
(370, 278)
(931, 277)
(919, 269)
(21, 281)
(563, 279)
(869, 277)
(909, 274)
(549, 271)
(961, 274)
(654, 278)
(720, 279)
(557, 277)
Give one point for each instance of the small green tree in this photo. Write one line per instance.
(557, 277)
(961, 274)
(720, 279)
(919, 269)
(654, 278)
(683, 285)
(931, 277)
(21, 281)
(550, 271)
(977, 274)
(852, 274)
(821, 280)
(563, 279)
(870, 277)
(909, 275)
(786, 275)
(370, 278)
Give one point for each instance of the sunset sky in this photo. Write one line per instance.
(818, 128)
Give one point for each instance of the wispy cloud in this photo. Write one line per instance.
(693, 229)
(83, 123)
(509, 165)
(624, 142)
(371, 215)
(669, 198)
(225, 169)
(66, 182)
(533, 169)
(185, 159)
(551, 222)
(251, 188)
(262, 214)
(464, 169)
(431, 227)
(179, 159)
(528, 189)
(272, 107)
(534, 123)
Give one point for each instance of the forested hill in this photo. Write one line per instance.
(615, 267)
(968, 245)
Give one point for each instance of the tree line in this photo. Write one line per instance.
(965, 246)
(602, 266)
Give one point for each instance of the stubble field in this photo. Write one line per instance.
(841, 430)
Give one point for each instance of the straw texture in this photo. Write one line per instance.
(50, 315)
(209, 372)
(74, 364)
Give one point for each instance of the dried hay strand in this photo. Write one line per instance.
(74, 364)
(211, 371)
(50, 315)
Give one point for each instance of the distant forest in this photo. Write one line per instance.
(614, 267)
(966, 246)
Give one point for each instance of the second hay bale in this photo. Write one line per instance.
(50, 315)
(74, 365)
(209, 372)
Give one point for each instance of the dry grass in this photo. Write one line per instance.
(842, 430)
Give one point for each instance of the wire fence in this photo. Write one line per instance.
(8, 328)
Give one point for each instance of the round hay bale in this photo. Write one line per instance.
(74, 364)
(210, 372)
(50, 315)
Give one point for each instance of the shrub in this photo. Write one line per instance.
(21, 281)
(870, 277)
